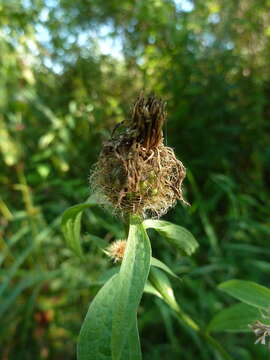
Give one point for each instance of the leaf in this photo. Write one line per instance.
(161, 283)
(248, 292)
(236, 318)
(132, 278)
(94, 341)
(134, 347)
(157, 263)
(149, 289)
(203, 213)
(71, 226)
(175, 234)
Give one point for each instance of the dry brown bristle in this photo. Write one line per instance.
(136, 173)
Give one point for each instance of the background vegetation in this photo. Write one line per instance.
(69, 72)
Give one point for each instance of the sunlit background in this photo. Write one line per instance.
(69, 71)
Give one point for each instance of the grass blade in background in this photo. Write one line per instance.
(175, 234)
(203, 212)
(132, 278)
(14, 268)
(28, 281)
(248, 292)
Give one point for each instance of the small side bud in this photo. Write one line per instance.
(116, 250)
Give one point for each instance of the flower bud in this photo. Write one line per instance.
(116, 250)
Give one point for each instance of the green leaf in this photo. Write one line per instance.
(94, 341)
(248, 292)
(149, 289)
(157, 263)
(71, 226)
(236, 318)
(178, 236)
(132, 278)
(133, 350)
(162, 284)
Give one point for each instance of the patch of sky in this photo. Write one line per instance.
(54, 66)
(42, 34)
(184, 5)
(44, 15)
(51, 3)
(27, 4)
(229, 45)
(208, 39)
(214, 18)
(102, 38)
(107, 42)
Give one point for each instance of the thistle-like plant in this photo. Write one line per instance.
(135, 173)
(138, 178)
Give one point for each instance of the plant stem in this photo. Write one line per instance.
(167, 297)
(204, 335)
(216, 345)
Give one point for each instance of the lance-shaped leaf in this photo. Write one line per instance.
(94, 341)
(149, 289)
(159, 264)
(71, 226)
(161, 283)
(248, 292)
(132, 278)
(235, 318)
(178, 236)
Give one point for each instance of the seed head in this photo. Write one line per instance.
(136, 173)
(262, 331)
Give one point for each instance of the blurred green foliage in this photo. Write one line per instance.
(61, 93)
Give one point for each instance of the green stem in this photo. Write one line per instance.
(216, 345)
(162, 288)
(205, 336)
(126, 225)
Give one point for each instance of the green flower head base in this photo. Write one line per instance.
(136, 173)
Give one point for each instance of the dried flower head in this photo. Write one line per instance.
(136, 173)
(262, 331)
(116, 250)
